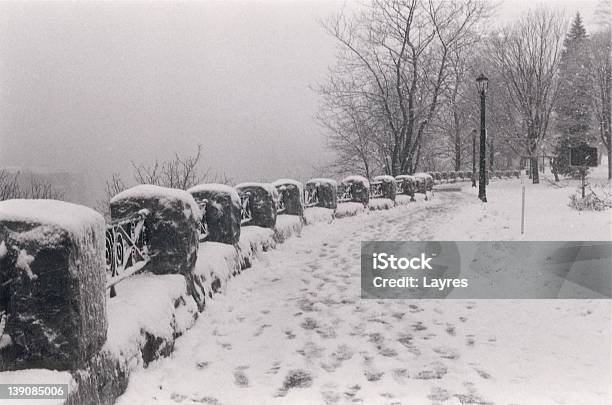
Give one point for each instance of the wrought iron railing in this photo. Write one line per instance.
(203, 232)
(345, 192)
(246, 213)
(376, 189)
(127, 248)
(281, 204)
(311, 197)
(399, 187)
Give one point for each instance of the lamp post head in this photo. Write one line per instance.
(483, 83)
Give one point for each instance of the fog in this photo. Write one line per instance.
(90, 87)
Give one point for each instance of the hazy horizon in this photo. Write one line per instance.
(89, 87)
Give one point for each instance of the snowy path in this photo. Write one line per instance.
(293, 330)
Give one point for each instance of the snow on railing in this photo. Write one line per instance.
(127, 249)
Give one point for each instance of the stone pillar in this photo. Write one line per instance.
(388, 186)
(263, 198)
(171, 228)
(221, 211)
(360, 188)
(292, 193)
(327, 191)
(52, 284)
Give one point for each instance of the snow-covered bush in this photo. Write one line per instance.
(452, 176)
(437, 176)
(325, 190)
(263, 198)
(221, 211)
(358, 187)
(292, 194)
(314, 215)
(409, 185)
(594, 200)
(377, 204)
(516, 173)
(389, 187)
(53, 277)
(444, 176)
(350, 209)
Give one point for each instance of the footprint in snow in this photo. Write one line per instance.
(439, 394)
(435, 372)
(295, 379)
(275, 368)
(471, 399)
(330, 397)
(207, 400)
(418, 326)
(240, 378)
(373, 376)
(446, 352)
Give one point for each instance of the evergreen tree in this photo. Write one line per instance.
(573, 111)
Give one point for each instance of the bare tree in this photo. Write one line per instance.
(526, 56)
(33, 188)
(181, 172)
(351, 130)
(9, 185)
(396, 54)
(458, 110)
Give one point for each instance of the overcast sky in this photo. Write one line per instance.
(89, 87)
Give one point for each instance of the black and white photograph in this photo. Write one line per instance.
(305, 202)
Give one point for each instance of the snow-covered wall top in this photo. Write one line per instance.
(282, 182)
(357, 179)
(152, 191)
(220, 188)
(422, 175)
(74, 218)
(384, 177)
(266, 186)
(322, 180)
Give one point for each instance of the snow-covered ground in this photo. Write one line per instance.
(293, 329)
(547, 214)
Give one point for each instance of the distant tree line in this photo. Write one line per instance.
(13, 185)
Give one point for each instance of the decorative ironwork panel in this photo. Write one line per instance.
(246, 214)
(376, 189)
(311, 197)
(345, 192)
(202, 224)
(399, 187)
(281, 205)
(127, 247)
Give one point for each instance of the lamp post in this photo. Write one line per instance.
(482, 83)
(473, 158)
